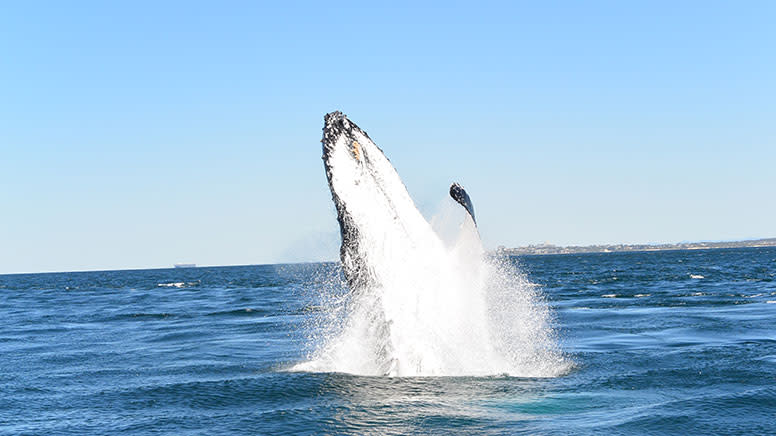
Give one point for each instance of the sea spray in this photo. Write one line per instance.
(463, 313)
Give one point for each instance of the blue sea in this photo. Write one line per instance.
(673, 342)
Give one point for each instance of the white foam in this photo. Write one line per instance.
(458, 315)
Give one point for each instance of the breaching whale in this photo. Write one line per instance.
(416, 302)
(397, 267)
(373, 205)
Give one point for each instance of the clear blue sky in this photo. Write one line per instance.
(140, 134)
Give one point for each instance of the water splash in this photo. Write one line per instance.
(462, 313)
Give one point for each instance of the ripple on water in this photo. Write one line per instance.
(113, 353)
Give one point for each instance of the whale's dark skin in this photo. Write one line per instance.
(356, 273)
(459, 194)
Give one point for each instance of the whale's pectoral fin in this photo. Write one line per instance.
(459, 194)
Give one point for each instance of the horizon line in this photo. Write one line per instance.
(333, 261)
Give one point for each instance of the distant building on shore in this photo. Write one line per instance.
(547, 248)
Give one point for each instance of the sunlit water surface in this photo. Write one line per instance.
(661, 343)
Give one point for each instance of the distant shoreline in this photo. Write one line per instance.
(541, 249)
(530, 250)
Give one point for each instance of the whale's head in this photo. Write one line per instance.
(370, 198)
(347, 150)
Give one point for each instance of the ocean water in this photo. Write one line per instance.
(659, 343)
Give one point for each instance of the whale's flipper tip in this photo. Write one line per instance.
(459, 194)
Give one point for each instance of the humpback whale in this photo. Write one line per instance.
(415, 302)
(373, 205)
(412, 308)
